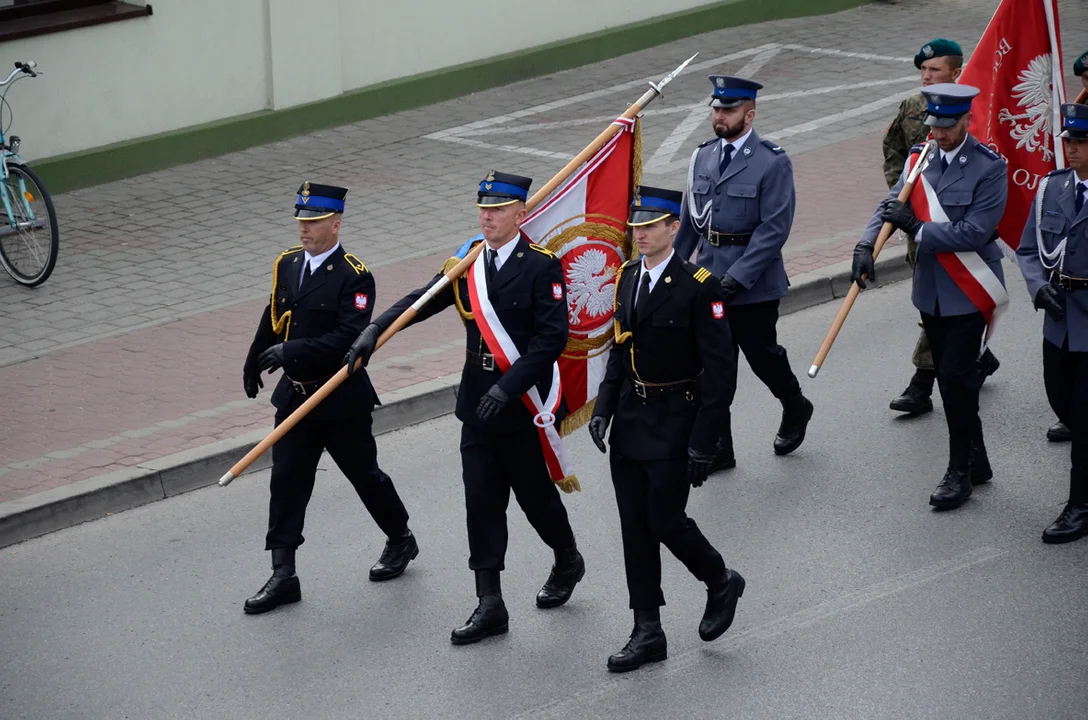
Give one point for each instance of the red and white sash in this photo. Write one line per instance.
(966, 268)
(506, 354)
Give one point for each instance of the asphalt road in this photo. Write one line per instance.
(861, 601)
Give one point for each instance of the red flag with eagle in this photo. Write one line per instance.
(584, 222)
(1017, 66)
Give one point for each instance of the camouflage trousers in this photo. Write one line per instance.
(923, 356)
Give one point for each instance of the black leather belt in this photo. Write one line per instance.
(1070, 283)
(309, 386)
(484, 361)
(717, 239)
(648, 390)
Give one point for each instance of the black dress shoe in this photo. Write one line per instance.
(978, 465)
(568, 570)
(953, 491)
(489, 618)
(917, 398)
(796, 412)
(987, 365)
(646, 645)
(721, 605)
(1071, 525)
(723, 460)
(395, 558)
(279, 590)
(1058, 432)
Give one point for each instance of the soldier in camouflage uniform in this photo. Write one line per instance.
(939, 61)
(1079, 67)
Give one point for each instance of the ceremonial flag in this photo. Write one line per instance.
(1017, 65)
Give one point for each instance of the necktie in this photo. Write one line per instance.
(492, 266)
(1078, 203)
(643, 295)
(944, 163)
(305, 275)
(727, 157)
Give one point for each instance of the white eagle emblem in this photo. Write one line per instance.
(590, 289)
(1034, 94)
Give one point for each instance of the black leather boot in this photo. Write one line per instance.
(724, 459)
(568, 570)
(987, 365)
(917, 399)
(796, 412)
(953, 491)
(1059, 432)
(282, 588)
(395, 557)
(647, 643)
(978, 464)
(490, 616)
(1071, 525)
(721, 605)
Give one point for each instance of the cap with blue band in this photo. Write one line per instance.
(316, 202)
(653, 204)
(729, 92)
(946, 103)
(499, 189)
(1075, 121)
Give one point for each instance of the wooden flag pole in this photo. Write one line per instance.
(885, 233)
(455, 272)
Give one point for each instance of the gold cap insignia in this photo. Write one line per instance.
(487, 186)
(305, 190)
(490, 175)
(638, 195)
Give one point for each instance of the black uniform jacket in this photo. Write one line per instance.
(529, 297)
(683, 333)
(317, 325)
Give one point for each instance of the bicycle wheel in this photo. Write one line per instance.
(29, 237)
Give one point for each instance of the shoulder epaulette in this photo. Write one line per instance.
(708, 142)
(774, 148)
(1059, 171)
(355, 263)
(988, 151)
(543, 251)
(700, 274)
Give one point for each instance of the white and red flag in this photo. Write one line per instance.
(584, 222)
(1017, 65)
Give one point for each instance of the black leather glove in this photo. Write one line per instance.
(272, 358)
(363, 347)
(698, 466)
(1049, 300)
(598, 426)
(863, 268)
(900, 215)
(251, 382)
(492, 403)
(731, 287)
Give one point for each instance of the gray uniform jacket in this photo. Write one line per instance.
(972, 192)
(1060, 221)
(755, 195)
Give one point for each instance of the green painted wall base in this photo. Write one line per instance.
(113, 162)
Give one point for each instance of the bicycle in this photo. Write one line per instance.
(25, 206)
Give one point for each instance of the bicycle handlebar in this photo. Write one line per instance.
(21, 67)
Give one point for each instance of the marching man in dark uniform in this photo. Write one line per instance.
(1057, 278)
(670, 378)
(737, 214)
(514, 307)
(322, 297)
(956, 254)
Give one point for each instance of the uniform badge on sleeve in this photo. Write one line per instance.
(718, 309)
(557, 291)
(361, 301)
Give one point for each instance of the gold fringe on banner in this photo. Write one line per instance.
(577, 419)
(636, 155)
(569, 484)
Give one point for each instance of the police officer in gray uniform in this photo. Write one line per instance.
(1057, 278)
(971, 186)
(737, 216)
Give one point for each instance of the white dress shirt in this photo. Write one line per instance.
(315, 261)
(737, 144)
(504, 252)
(654, 273)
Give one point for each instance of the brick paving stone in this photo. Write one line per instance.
(135, 344)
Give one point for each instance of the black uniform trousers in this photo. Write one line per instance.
(956, 341)
(755, 331)
(493, 464)
(651, 496)
(1065, 375)
(351, 444)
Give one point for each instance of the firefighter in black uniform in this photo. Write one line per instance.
(669, 382)
(322, 297)
(501, 446)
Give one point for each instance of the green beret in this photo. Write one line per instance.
(1080, 65)
(937, 48)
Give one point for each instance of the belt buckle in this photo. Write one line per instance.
(640, 389)
(1065, 282)
(299, 387)
(487, 362)
(712, 238)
